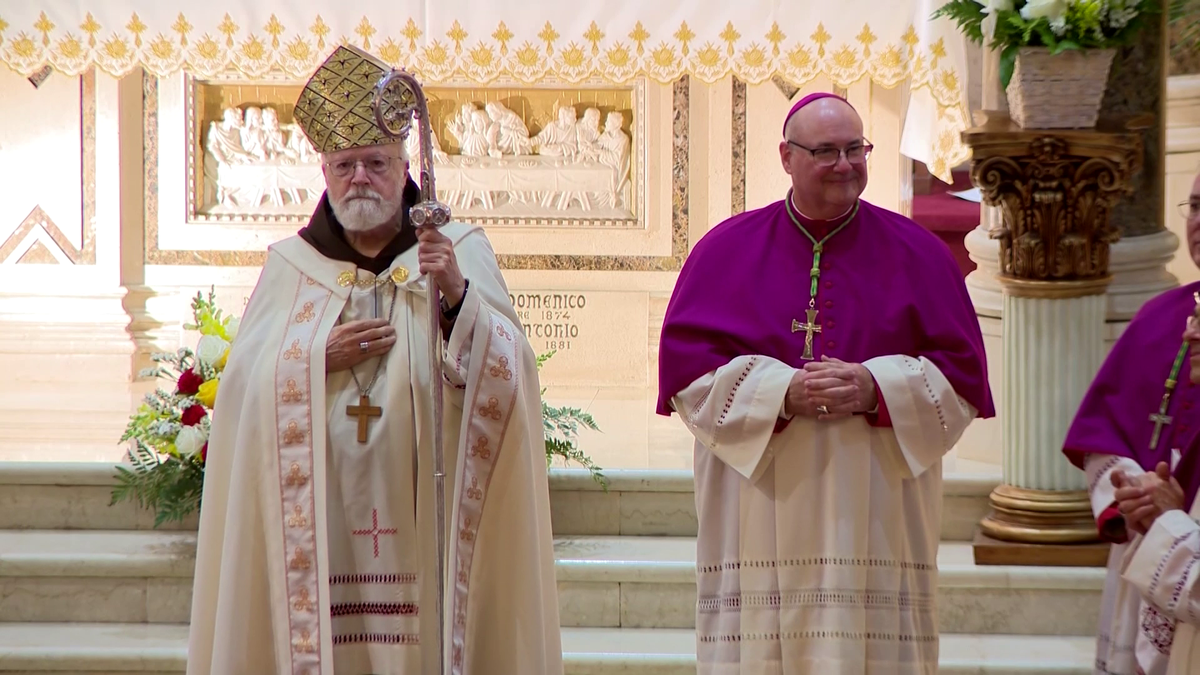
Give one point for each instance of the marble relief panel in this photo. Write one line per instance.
(548, 169)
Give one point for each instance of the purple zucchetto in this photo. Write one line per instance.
(809, 99)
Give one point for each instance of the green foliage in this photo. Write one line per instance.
(562, 426)
(1184, 16)
(1059, 25)
(169, 486)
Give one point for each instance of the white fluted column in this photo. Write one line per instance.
(1053, 347)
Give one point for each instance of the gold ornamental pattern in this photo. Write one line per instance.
(168, 36)
(1056, 191)
(335, 108)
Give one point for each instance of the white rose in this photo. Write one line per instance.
(231, 328)
(210, 348)
(990, 6)
(1044, 9)
(190, 440)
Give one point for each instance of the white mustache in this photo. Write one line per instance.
(364, 193)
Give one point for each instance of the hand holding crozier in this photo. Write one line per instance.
(353, 342)
(435, 252)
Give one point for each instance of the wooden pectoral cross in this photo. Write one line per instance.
(809, 327)
(364, 411)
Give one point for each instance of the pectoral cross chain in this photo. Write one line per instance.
(810, 326)
(364, 411)
(1161, 418)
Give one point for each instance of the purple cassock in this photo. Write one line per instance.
(887, 287)
(1114, 417)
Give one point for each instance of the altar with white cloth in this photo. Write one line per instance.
(595, 144)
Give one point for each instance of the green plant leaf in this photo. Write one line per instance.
(1008, 63)
(1064, 45)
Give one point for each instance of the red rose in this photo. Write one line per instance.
(192, 416)
(189, 383)
(204, 453)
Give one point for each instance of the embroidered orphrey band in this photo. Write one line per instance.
(294, 439)
(491, 407)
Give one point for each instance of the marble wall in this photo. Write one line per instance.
(1182, 164)
(99, 256)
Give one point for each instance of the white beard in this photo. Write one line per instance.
(363, 209)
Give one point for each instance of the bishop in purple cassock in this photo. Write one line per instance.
(825, 354)
(1141, 409)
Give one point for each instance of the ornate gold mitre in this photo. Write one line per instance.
(334, 110)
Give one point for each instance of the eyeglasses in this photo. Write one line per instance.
(377, 165)
(855, 154)
(1189, 209)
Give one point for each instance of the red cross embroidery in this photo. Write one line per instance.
(375, 530)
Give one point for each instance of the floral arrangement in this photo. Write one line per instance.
(1059, 25)
(169, 431)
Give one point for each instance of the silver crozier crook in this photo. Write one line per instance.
(398, 98)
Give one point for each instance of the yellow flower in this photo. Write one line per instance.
(208, 393)
(220, 363)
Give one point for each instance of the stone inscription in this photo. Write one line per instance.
(550, 320)
(599, 337)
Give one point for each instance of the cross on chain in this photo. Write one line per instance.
(1160, 420)
(375, 530)
(364, 411)
(809, 327)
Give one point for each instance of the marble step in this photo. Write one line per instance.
(121, 649)
(630, 582)
(76, 496)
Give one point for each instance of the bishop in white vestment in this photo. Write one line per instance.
(1140, 411)
(1163, 566)
(317, 548)
(825, 355)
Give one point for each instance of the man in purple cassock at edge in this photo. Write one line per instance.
(1140, 412)
(825, 354)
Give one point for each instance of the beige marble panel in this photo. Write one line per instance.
(76, 507)
(882, 112)
(55, 506)
(72, 599)
(766, 108)
(86, 648)
(658, 513)
(169, 600)
(961, 516)
(1182, 169)
(1006, 611)
(589, 604)
(981, 441)
(596, 513)
(658, 605)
